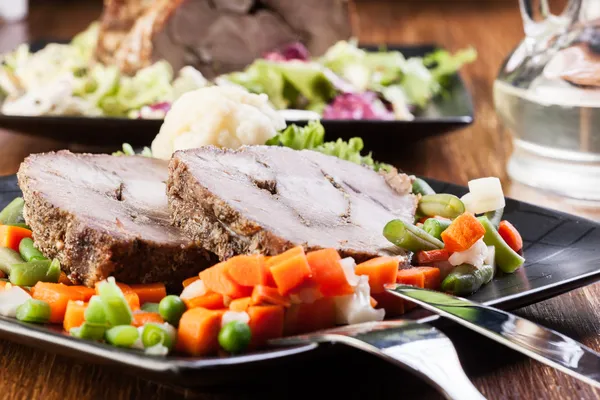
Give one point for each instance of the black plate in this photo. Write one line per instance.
(443, 115)
(561, 250)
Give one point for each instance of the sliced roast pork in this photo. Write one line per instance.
(102, 215)
(267, 199)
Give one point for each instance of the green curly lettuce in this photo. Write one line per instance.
(311, 137)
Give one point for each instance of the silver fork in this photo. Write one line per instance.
(418, 348)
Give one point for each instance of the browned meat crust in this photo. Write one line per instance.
(103, 216)
(267, 199)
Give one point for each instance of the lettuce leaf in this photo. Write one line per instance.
(442, 63)
(311, 137)
(287, 83)
(148, 86)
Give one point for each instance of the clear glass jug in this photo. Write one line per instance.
(547, 94)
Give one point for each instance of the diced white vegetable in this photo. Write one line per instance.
(12, 298)
(475, 255)
(194, 289)
(356, 308)
(486, 195)
(157, 350)
(307, 295)
(138, 344)
(170, 329)
(491, 256)
(348, 265)
(467, 200)
(230, 316)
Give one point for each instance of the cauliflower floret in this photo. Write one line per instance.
(356, 308)
(220, 116)
(474, 255)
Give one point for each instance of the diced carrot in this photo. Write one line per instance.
(373, 302)
(150, 292)
(380, 270)
(198, 331)
(145, 317)
(264, 295)
(462, 233)
(241, 304)
(266, 322)
(74, 314)
(10, 236)
(187, 282)
(57, 296)
(247, 270)
(411, 276)
(511, 235)
(211, 301)
(328, 273)
(217, 279)
(431, 276)
(64, 279)
(309, 317)
(392, 304)
(430, 256)
(85, 292)
(3, 285)
(289, 269)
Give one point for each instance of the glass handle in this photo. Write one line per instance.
(540, 24)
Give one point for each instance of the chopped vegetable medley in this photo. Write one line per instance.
(239, 304)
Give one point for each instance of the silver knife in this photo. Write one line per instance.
(542, 344)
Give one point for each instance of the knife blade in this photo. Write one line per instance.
(542, 344)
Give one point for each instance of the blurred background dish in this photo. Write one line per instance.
(138, 57)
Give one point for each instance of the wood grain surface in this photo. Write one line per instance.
(494, 28)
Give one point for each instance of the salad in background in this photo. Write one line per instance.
(344, 83)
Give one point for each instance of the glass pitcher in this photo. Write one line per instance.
(547, 94)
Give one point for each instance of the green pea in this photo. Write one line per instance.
(235, 336)
(171, 308)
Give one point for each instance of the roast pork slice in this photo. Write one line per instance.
(103, 215)
(267, 199)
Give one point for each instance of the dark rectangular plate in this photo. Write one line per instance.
(561, 250)
(443, 115)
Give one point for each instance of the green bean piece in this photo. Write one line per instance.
(435, 227)
(507, 259)
(28, 250)
(32, 272)
(495, 217)
(34, 311)
(94, 313)
(13, 212)
(410, 237)
(441, 205)
(421, 187)
(8, 257)
(115, 306)
(154, 334)
(150, 307)
(88, 331)
(235, 336)
(466, 279)
(122, 335)
(171, 308)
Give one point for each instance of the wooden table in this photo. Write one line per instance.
(480, 150)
